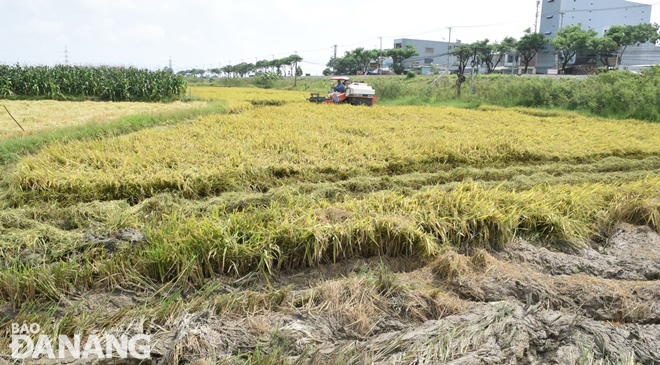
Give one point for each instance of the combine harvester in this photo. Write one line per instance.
(355, 93)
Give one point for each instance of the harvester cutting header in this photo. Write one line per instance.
(347, 91)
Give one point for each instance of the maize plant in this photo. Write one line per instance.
(101, 83)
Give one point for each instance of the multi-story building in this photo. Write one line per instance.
(429, 52)
(598, 15)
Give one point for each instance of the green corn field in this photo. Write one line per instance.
(100, 83)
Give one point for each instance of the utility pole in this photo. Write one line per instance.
(536, 20)
(170, 63)
(448, 47)
(380, 56)
(334, 60)
(66, 55)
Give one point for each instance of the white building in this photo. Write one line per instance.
(429, 52)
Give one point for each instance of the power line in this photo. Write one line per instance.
(434, 55)
(371, 39)
(487, 25)
(455, 26)
(334, 47)
(262, 57)
(313, 63)
(358, 43)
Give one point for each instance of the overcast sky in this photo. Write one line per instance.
(204, 33)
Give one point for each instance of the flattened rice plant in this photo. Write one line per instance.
(282, 184)
(267, 146)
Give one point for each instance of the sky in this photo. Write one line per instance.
(212, 33)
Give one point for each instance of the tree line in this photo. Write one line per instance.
(280, 66)
(358, 60)
(568, 42)
(572, 40)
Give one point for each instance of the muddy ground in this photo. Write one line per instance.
(598, 304)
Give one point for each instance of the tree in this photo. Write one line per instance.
(654, 32)
(632, 35)
(359, 59)
(604, 47)
(571, 40)
(248, 68)
(400, 54)
(362, 57)
(277, 64)
(243, 69)
(286, 61)
(343, 65)
(529, 45)
(293, 62)
(398, 68)
(299, 71)
(346, 65)
(501, 49)
(327, 72)
(262, 65)
(230, 70)
(464, 52)
(197, 73)
(484, 51)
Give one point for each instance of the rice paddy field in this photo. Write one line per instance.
(290, 232)
(44, 115)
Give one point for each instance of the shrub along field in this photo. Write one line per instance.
(274, 184)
